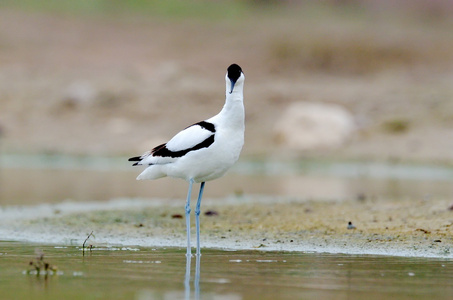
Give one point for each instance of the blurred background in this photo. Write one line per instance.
(343, 98)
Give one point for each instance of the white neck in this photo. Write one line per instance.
(232, 113)
(233, 110)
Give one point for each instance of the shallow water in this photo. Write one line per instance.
(52, 179)
(145, 273)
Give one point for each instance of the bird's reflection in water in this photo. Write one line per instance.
(196, 279)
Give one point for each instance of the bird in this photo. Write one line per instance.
(203, 151)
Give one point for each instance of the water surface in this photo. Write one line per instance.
(147, 273)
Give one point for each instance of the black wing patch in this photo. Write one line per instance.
(162, 150)
(205, 125)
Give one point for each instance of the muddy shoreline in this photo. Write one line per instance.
(398, 228)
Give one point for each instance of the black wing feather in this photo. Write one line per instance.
(163, 151)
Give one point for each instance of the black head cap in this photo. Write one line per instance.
(234, 72)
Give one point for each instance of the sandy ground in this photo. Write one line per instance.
(403, 228)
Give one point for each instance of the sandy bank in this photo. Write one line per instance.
(401, 228)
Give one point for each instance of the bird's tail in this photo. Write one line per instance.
(135, 158)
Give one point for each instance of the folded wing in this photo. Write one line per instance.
(195, 137)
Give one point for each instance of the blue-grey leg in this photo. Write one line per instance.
(189, 192)
(187, 278)
(197, 277)
(197, 217)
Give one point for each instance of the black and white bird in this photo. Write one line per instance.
(203, 151)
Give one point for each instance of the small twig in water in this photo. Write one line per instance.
(84, 242)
